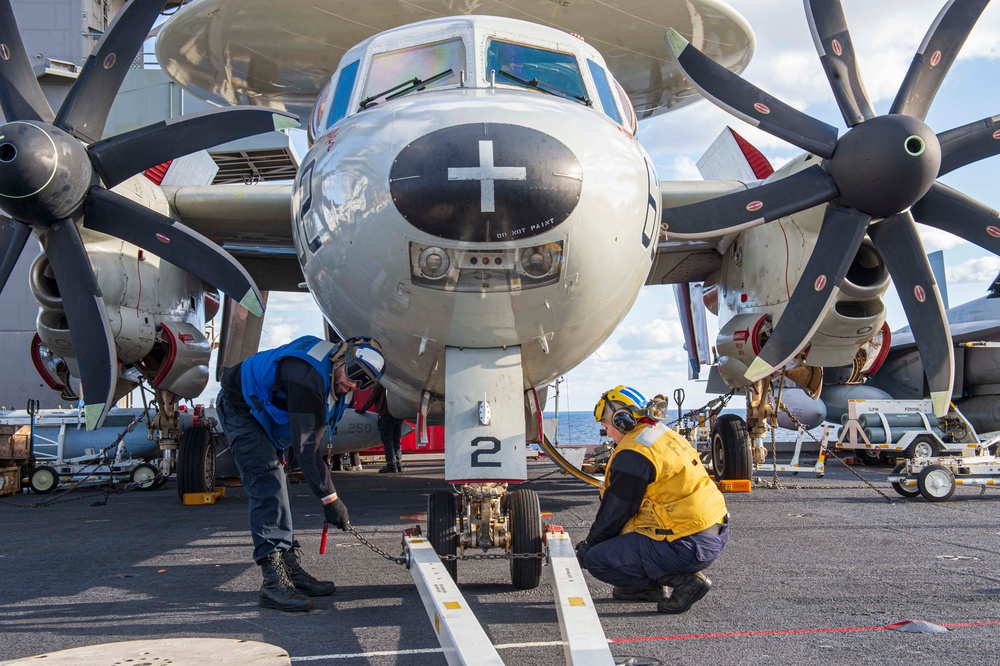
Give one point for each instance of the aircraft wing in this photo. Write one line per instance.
(281, 55)
(687, 260)
(967, 331)
(251, 222)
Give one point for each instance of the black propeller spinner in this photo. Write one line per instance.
(884, 169)
(55, 171)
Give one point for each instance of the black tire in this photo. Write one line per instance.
(161, 481)
(870, 458)
(905, 491)
(731, 456)
(43, 480)
(923, 444)
(196, 462)
(442, 528)
(526, 532)
(936, 483)
(146, 477)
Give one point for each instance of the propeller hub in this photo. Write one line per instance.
(45, 173)
(886, 164)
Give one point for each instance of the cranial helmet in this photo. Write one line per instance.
(363, 361)
(627, 407)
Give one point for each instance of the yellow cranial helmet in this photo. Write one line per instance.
(626, 404)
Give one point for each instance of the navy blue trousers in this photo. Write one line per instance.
(636, 562)
(263, 480)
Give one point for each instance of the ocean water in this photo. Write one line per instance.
(581, 428)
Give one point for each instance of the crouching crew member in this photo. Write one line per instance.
(289, 397)
(661, 520)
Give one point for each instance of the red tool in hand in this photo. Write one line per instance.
(322, 541)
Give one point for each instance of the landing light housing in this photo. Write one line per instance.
(486, 270)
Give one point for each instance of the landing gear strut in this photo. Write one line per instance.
(485, 516)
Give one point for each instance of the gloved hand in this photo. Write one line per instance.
(360, 411)
(581, 552)
(336, 514)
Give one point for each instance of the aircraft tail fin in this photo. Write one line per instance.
(936, 260)
(731, 157)
(694, 323)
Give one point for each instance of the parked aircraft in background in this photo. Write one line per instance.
(975, 330)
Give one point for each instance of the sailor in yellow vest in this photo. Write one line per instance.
(661, 520)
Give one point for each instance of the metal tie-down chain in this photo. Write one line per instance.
(401, 560)
(829, 450)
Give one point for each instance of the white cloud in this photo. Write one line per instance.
(974, 270)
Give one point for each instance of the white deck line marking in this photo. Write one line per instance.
(391, 653)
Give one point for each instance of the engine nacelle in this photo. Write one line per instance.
(856, 315)
(738, 344)
(179, 360)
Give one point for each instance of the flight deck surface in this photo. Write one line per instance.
(816, 572)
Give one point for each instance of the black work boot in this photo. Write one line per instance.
(626, 594)
(388, 469)
(301, 579)
(277, 590)
(686, 589)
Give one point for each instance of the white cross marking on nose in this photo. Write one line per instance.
(486, 174)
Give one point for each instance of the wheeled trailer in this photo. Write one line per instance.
(936, 478)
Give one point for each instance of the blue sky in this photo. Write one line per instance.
(645, 352)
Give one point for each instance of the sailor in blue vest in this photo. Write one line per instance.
(282, 398)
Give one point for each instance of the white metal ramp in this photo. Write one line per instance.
(463, 639)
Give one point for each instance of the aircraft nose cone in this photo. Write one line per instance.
(486, 182)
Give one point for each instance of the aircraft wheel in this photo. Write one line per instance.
(905, 491)
(196, 462)
(923, 446)
(43, 480)
(442, 528)
(145, 477)
(872, 458)
(731, 459)
(161, 480)
(526, 532)
(936, 483)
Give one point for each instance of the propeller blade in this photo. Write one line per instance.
(838, 242)
(87, 318)
(949, 210)
(748, 102)
(899, 244)
(748, 208)
(836, 53)
(933, 59)
(969, 143)
(85, 109)
(21, 97)
(112, 214)
(13, 236)
(124, 155)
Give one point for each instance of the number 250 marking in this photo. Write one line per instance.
(476, 462)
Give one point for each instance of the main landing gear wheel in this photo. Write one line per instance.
(936, 483)
(146, 477)
(731, 459)
(442, 528)
(196, 462)
(526, 532)
(44, 480)
(905, 491)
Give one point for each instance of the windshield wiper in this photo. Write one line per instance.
(407, 86)
(546, 87)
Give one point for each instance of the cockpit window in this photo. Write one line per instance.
(630, 118)
(396, 73)
(604, 91)
(547, 71)
(342, 95)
